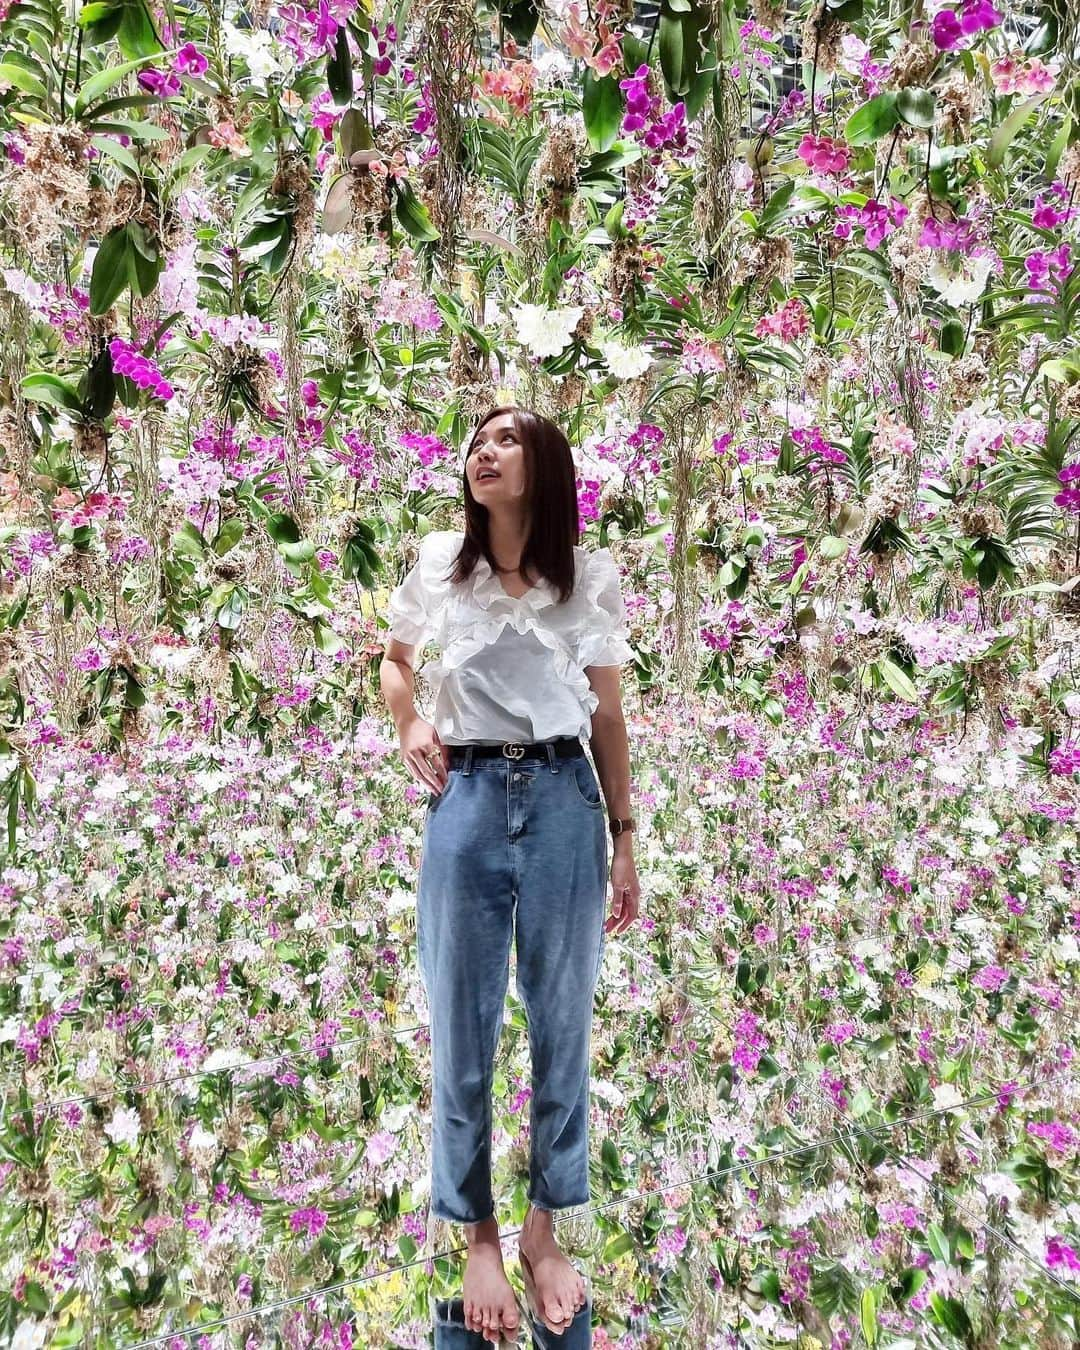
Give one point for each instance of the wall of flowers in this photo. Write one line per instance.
(800, 282)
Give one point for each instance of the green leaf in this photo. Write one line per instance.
(952, 1315)
(1005, 134)
(327, 641)
(609, 1158)
(412, 214)
(775, 204)
(282, 528)
(44, 388)
(35, 1298)
(952, 338)
(862, 1102)
(1057, 145)
(938, 1242)
(602, 106)
(230, 534)
(188, 541)
(137, 130)
(114, 150)
(105, 110)
(339, 74)
(520, 18)
(136, 37)
(618, 1246)
(897, 681)
(868, 1316)
(105, 28)
(831, 546)
(873, 120)
(104, 80)
(916, 107)
(95, 11)
(231, 611)
(100, 387)
(22, 79)
(145, 244)
(143, 272)
(679, 48)
(303, 550)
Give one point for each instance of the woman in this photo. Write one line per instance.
(533, 631)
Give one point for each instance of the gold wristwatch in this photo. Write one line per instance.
(622, 826)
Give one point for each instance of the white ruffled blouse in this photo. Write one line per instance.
(510, 668)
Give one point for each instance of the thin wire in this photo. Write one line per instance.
(145, 1086)
(751, 1164)
(223, 1068)
(983, 1223)
(17, 1075)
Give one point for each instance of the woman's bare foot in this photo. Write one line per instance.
(490, 1305)
(560, 1290)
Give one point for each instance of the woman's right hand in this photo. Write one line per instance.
(424, 754)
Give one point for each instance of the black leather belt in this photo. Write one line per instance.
(564, 747)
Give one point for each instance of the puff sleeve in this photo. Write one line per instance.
(412, 609)
(604, 641)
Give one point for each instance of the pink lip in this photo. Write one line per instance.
(480, 480)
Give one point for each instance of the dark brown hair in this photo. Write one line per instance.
(551, 491)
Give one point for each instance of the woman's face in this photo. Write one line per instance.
(496, 447)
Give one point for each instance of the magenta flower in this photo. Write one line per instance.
(990, 978)
(1057, 1136)
(750, 1043)
(951, 234)
(141, 371)
(1064, 760)
(311, 1220)
(978, 14)
(1059, 1253)
(160, 83)
(946, 31)
(824, 154)
(189, 60)
(949, 27)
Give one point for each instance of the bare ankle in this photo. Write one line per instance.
(537, 1222)
(487, 1230)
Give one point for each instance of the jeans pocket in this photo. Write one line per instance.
(434, 798)
(585, 784)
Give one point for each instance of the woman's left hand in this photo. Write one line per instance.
(626, 894)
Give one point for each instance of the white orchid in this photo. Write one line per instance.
(961, 287)
(625, 363)
(255, 47)
(546, 332)
(123, 1128)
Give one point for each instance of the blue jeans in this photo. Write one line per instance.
(511, 847)
(450, 1332)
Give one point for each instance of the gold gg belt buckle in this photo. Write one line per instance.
(513, 750)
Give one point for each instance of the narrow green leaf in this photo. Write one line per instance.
(1006, 133)
(22, 79)
(114, 150)
(104, 80)
(897, 681)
